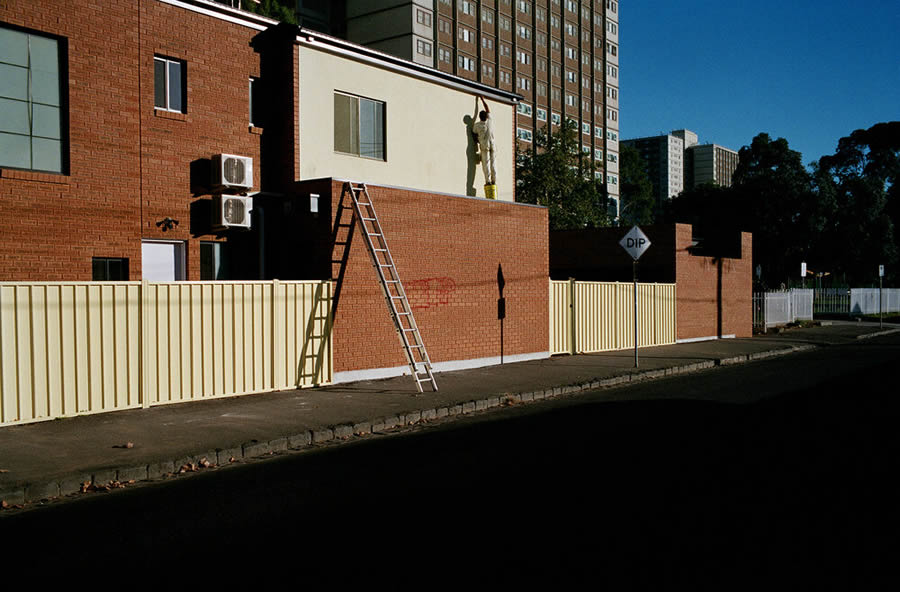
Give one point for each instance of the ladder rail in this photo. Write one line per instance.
(409, 335)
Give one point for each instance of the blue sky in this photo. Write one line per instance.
(810, 72)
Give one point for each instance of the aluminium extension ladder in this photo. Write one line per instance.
(391, 286)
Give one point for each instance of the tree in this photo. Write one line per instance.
(860, 181)
(638, 203)
(557, 174)
(774, 200)
(280, 10)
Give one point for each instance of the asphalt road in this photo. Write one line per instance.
(781, 467)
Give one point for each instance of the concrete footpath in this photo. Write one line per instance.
(57, 458)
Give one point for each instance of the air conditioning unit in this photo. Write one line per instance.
(230, 172)
(231, 211)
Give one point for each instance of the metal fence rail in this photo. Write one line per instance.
(71, 348)
(771, 309)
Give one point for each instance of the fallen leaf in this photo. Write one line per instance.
(205, 463)
(4, 470)
(3, 504)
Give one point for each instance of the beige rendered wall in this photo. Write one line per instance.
(428, 128)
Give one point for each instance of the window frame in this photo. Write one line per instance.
(61, 121)
(359, 101)
(167, 62)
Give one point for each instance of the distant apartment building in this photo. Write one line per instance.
(561, 56)
(677, 161)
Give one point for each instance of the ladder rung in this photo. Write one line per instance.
(408, 330)
(373, 234)
(419, 346)
(396, 297)
(403, 313)
(370, 219)
(385, 265)
(381, 250)
(363, 203)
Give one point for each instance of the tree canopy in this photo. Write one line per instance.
(638, 204)
(839, 215)
(557, 174)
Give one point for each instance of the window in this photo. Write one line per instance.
(488, 71)
(505, 77)
(612, 157)
(554, 21)
(611, 27)
(541, 89)
(524, 109)
(612, 114)
(541, 39)
(523, 57)
(31, 102)
(541, 114)
(612, 49)
(465, 34)
(524, 32)
(611, 5)
(612, 71)
(487, 43)
(524, 83)
(540, 14)
(423, 18)
(572, 6)
(586, 128)
(256, 102)
(504, 49)
(213, 261)
(467, 7)
(570, 100)
(444, 55)
(359, 126)
(612, 179)
(555, 118)
(487, 15)
(571, 53)
(524, 6)
(466, 63)
(505, 23)
(523, 134)
(571, 29)
(585, 149)
(109, 269)
(598, 132)
(169, 78)
(555, 94)
(612, 93)
(570, 76)
(443, 25)
(423, 47)
(598, 154)
(610, 135)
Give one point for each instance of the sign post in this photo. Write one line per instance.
(880, 283)
(635, 243)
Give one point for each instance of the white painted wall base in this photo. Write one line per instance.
(379, 373)
(711, 338)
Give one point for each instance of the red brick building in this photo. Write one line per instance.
(116, 110)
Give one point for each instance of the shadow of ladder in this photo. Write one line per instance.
(316, 338)
(391, 286)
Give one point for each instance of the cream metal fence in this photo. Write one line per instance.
(590, 317)
(89, 347)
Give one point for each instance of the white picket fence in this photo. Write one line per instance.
(771, 309)
(865, 300)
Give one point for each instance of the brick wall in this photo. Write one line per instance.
(51, 225)
(714, 295)
(448, 251)
(130, 165)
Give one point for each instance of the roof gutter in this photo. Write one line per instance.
(314, 39)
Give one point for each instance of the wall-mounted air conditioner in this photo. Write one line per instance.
(230, 172)
(231, 211)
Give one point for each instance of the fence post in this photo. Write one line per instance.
(278, 332)
(145, 343)
(572, 317)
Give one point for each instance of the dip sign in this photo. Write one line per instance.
(635, 243)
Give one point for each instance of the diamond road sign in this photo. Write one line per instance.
(635, 242)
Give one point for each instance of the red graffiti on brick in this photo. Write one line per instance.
(430, 292)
